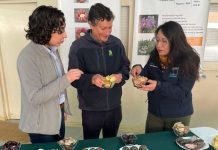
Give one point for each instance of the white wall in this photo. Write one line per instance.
(13, 20)
(2, 114)
(214, 1)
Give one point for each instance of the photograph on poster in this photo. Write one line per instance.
(148, 23)
(80, 31)
(81, 1)
(146, 46)
(81, 14)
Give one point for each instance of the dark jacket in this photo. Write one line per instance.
(172, 96)
(95, 58)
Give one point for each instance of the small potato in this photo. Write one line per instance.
(138, 81)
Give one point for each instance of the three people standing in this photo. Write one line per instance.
(172, 70)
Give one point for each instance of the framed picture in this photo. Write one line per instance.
(80, 31)
(81, 1)
(148, 23)
(81, 14)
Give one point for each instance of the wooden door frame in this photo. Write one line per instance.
(3, 91)
(131, 5)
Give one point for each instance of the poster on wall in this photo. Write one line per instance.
(149, 14)
(76, 15)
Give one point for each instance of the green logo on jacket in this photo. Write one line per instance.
(110, 53)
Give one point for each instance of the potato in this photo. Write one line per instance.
(109, 81)
(138, 81)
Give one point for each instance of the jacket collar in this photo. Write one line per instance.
(40, 48)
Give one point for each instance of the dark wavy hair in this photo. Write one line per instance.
(44, 21)
(181, 54)
(99, 12)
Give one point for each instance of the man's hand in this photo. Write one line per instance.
(97, 80)
(118, 77)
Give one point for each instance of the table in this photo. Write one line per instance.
(205, 133)
(154, 141)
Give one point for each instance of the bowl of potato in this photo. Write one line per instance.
(180, 129)
(68, 143)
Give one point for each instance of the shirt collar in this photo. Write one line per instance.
(51, 48)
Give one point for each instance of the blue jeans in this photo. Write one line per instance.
(43, 138)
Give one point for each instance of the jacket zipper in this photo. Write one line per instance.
(102, 53)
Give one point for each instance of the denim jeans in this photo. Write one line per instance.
(43, 138)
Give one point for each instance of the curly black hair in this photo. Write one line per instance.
(99, 12)
(44, 21)
(181, 53)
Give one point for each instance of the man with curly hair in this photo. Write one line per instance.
(44, 100)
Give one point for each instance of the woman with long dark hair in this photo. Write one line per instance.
(172, 69)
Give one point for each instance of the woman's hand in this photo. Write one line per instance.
(136, 70)
(151, 85)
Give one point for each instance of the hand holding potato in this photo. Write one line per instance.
(117, 78)
(97, 80)
(73, 74)
(151, 85)
(136, 70)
